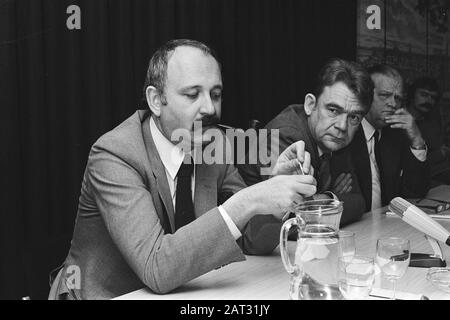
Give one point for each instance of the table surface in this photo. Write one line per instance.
(264, 277)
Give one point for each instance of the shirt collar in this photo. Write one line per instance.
(368, 129)
(171, 156)
(321, 152)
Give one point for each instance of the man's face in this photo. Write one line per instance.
(424, 100)
(193, 92)
(387, 98)
(334, 117)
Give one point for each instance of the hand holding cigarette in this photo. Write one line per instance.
(294, 160)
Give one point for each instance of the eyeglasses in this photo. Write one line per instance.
(385, 95)
(443, 206)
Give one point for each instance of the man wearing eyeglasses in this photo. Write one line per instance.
(388, 151)
(423, 96)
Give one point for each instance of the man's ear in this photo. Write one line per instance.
(310, 103)
(153, 100)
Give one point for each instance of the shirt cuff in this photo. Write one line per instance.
(421, 155)
(233, 229)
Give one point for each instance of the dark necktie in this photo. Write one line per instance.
(184, 208)
(376, 137)
(324, 173)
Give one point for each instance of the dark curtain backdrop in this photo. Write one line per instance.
(61, 89)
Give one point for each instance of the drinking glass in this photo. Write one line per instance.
(347, 246)
(356, 276)
(393, 255)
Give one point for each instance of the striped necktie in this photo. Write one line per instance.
(324, 173)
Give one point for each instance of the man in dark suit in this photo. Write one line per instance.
(423, 103)
(325, 123)
(148, 212)
(389, 152)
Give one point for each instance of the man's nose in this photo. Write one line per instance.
(341, 122)
(207, 107)
(392, 102)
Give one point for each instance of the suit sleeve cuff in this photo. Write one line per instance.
(233, 229)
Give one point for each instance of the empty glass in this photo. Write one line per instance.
(347, 248)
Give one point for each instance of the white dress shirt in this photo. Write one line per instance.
(369, 132)
(172, 157)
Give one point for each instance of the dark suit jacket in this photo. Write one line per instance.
(124, 237)
(402, 175)
(293, 126)
(431, 129)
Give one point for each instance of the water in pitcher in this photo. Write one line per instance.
(316, 258)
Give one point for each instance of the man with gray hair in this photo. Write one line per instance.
(148, 213)
(388, 151)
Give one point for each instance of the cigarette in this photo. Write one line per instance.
(224, 126)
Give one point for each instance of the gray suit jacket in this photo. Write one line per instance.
(124, 237)
(292, 125)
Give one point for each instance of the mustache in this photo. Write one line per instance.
(210, 120)
(427, 105)
(206, 121)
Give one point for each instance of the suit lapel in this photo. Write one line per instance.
(205, 194)
(390, 178)
(361, 162)
(310, 144)
(159, 173)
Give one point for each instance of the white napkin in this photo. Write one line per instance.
(310, 251)
(387, 294)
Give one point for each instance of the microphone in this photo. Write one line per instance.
(419, 220)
